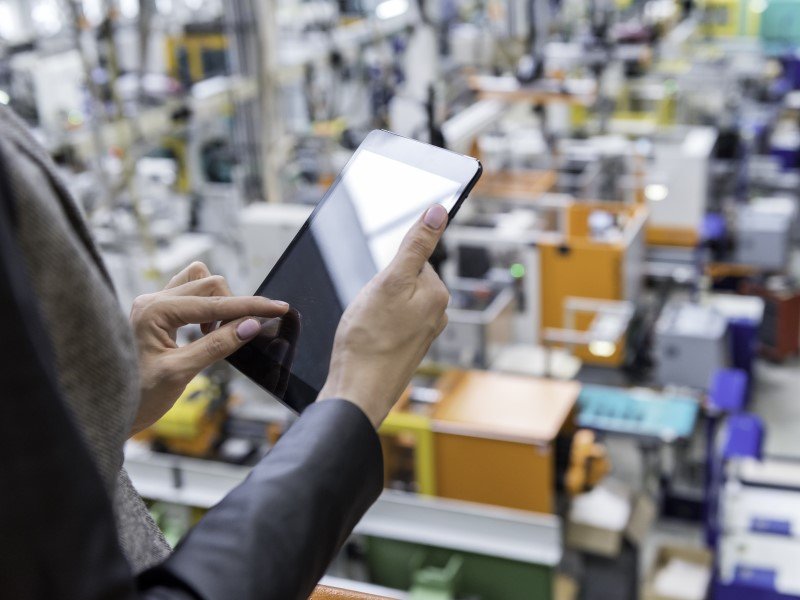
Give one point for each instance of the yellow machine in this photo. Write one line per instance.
(731, 18)
(489, 438)
(191, 427)
(589, 463)
(407, 441)
(644, 107)
(197, 54)
(175, 147)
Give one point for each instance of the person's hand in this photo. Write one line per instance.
(389, 327)
(192, 296)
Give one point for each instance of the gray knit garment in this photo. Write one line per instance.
(92, 340)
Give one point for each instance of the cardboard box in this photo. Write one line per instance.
(697, 556)
(608, 542)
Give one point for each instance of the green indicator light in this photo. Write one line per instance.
(517, 271)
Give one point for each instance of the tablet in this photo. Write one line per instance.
(354, 232)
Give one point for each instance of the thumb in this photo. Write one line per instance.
(420, 241)
(219, 344)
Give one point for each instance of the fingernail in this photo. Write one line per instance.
(248, 329)
(280, 303)
(270, 326)
(435, 217)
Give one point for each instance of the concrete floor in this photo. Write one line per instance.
(777, 401)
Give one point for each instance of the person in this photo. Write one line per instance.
(77, 380)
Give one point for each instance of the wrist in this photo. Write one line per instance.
(368, 407)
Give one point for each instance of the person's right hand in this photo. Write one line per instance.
(387, 330)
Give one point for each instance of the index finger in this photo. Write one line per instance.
(183, 310)
(420, 242)
(196, 270)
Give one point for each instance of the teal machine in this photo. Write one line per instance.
(442, 549)
(780, 24)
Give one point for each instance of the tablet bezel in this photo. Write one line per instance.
(457, 167)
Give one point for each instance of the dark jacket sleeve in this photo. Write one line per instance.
(272, 537)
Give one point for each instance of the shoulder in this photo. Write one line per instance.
(15, 131)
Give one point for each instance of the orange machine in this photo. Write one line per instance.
(494, 437)
(583, 266)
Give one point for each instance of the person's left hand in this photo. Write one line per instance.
(193, 296)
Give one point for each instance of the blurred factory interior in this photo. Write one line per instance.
(613, 410)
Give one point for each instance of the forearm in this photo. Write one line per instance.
(274, 535)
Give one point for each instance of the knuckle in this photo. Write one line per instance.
(216, 302)
(432, 328)
(198, 270)
(392, 282)
(170, 371)
(442, 297)
(439, 328)
(418, 246)
(140, 306)
(215, 347)
(438, 294)
(217, 284)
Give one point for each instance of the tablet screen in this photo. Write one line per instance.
(354, 233)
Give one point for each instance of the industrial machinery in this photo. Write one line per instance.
(193, 425)
(643, 108)
(443, 430)
(500, 251)
(267, 230)
(779, 27)
(558, 249)
(691, 344)
(481, 323)
(779, 337)
(589, 463)
(764, 234)
(49, 89)
(639, 413)
(198, 53)
(600, 259)
(676, 187)
(731, 18)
